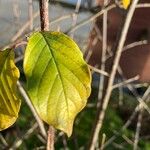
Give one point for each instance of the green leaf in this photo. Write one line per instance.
(58, 79)
(9, 101)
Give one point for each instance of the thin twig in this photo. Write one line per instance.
(139, 99)
(50, 139)
(126, 82)
(30, 3)
(64, 140)
(28, 101)
(140, 85)
(99, 71)
(129, 46)
(140, 115)
(124, 137)
(127, 140)
(17, 143)
(119, 47)
(27, 24)
(3, 140)
(43, 4)
(44, 141)
(103, 142)
(128, 122)
(16, 12)
(19, 44)
(134, 92)
(23, 28)
(143, 5)
(134, 44)
(75, 16)
(118, 146)
(82, 23)
(19, 58)
(103, 57)
(61, 18)
(138, 128)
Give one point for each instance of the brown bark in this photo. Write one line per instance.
(44, 15)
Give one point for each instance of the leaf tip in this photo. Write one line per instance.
(67, 130)
(126, 3)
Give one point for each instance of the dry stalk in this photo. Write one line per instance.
(104, 50)
(30, 12)
(109, 83)
(28, 101)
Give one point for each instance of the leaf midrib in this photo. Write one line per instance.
(59, 73)
(3, 64)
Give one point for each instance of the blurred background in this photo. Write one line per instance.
(125, 122)
(14, 14)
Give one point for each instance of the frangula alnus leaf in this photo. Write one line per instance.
(9, 101)
(58, 79)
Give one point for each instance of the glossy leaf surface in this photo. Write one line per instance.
(58, 79)
(9, 101)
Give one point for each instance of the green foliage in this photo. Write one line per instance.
(9, 101)
(58, 79)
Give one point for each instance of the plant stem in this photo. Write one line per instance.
(44, 15)
(50, 138)
(30, 3)
(109, 83)
(43, 4)
(103, 57)
(28, 101)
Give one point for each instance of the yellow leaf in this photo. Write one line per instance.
(58, 79)
(9, 101)
(126, 3)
